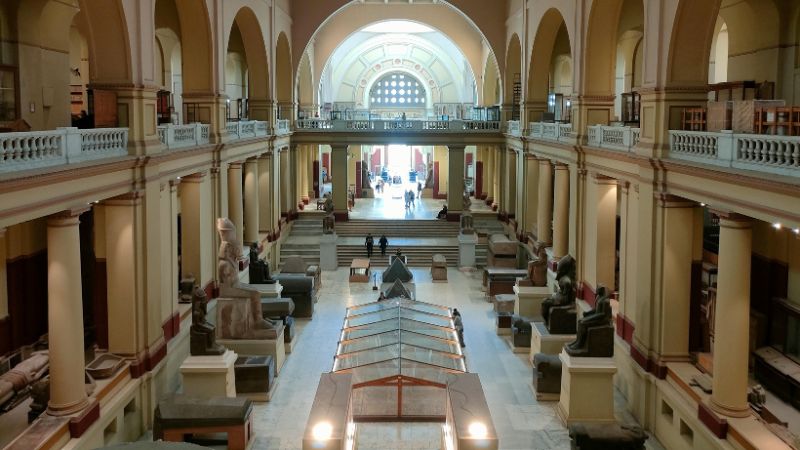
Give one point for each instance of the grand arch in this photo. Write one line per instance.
(541, 61)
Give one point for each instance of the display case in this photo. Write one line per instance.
(400, 353)
(559, 108)
(164, 107)
(631, 105)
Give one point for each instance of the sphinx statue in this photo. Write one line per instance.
(562, 302)
(595, 336)
(259, 268)
(233, 324)
(537, 268)
(202, 340)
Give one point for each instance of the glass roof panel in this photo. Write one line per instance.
(368, 342)
(373, 317)
(370, 329)
(367, 357)
(426, 318)
(422, 341)
(432, 357)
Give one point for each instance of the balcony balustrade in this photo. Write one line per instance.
(551, 131)
(397, 126)
(282, 127)
(181, 136)
(40, 149)
(247, 129)
(778, 155)
(513, 128)
(613, 138)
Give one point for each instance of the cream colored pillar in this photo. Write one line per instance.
(545, 211)
(277, 188)
(732, 317)
(3, 275)
(235, 201)
(677, 231)
(488, 158)
(561, 211)
(251, 201)
(339, 181)
(530, 195)
(502, 181)
(286, 187)
(600, 249)
(174, 269)
(65, 314)
(455, 181)
(305, 163)
(197, 249)
(265, 221)
(511, 182)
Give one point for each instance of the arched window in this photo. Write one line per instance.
(397, 90)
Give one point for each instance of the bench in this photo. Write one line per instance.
(439, 268)
(180, 415)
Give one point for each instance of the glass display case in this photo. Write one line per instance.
(400, 353)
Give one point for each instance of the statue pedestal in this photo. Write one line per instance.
(466, 250)
(209, 376)
(544, 342)
(269, 290)
(328, 259)
(587, 389)
(529, 300)
(259, 347)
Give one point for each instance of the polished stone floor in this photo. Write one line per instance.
(521, 422)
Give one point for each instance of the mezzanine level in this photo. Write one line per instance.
(401, 126)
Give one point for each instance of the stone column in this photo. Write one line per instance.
(3, 277)
(65, 314)
(488, 182)
(197, 249)
(251, 201)
(455, 181)
(561, 211)
(174, 266)
(265, 222)
(545, 213)
(600, 232)
(277, 188)
(531, 196)
(285, 184)
(235, 201)
(339, 182)
(732, 317)
(511, 182)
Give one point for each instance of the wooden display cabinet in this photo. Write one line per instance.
(631, 106)
(694, 119)
(359, 271)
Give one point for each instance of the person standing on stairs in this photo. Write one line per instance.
(369, 243)
(383, 243)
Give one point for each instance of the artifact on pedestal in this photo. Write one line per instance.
(186, 287)
(537, 268)
(521, 332)
(328, 204)
(259, 268)
(467, 201)
(27, 372)
(429, 178)
(546, 376)
(243, 318)
(595, 336)
(467, 224)
(558, 310)
(202, 339)
(329, 224)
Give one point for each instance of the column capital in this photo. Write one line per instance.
(235, 165)
(127, 199)
(67, 217)
(560, 165)
(3, 231)
(196, 177)
(456, 147)
(250, 161)
(728, 219)
(173, 183)
(603, 179)
(265, 155)
(339, 147)
(672, 201)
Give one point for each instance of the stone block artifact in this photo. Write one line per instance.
(521, 332)
(546, 374)
(595, 336)
(202, 339)
(558, 310)
(329, 224)
(537, 268)
(186, 287)
(467, 224)
(597, 436)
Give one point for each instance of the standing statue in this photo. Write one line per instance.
(329, 224)
(595, 337)
(202, 340)
(328, 204)
(467, 224)
(467, 201)
(259, 268)
(234, 326)
(537, 267)
(563, 299)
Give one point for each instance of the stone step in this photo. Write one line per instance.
(418, 256)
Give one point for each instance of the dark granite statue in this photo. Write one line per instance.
(561, 304)
(328, 224)
(365, 182)
(537, 268)
(40, 397)
(595, 336)
(429, 178)
(467, 224)
(546, 374)
(259, 268)
(186, 287)
(467, 201)
(521, 332)
(202, 340)
(601, 436)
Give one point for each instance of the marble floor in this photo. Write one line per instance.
(521, 422)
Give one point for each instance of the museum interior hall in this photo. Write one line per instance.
(399, 224)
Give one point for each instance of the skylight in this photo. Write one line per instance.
(397, 26)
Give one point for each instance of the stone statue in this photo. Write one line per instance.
(328, 204)
(17, 380)
(537, 267)
(186, 287)
(234, 324)
(467, 201)
(546, 374)
(467, 224)
(202, 340)
(595, 337)
(329, 224)
(563, 299)
(259, 268)
(521, 332)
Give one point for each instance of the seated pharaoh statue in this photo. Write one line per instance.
(259, 268)
(233, 324)
(558, 310)
(595, 337)
(202, 340)
(537, 268)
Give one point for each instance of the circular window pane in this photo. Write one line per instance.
(402, 100)
(394, 100)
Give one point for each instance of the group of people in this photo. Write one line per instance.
(382, 243)
(409, 196)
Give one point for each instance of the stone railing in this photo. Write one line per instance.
(513, 128)
(181, 136)
(778, 155)
(613, 138)
(282, 127)
(37, 149)
(246, 129)
(551, 131)
(397, 126)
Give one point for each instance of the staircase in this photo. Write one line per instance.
(418, 255)
(309, 252)
(397, 228)
(307, 226)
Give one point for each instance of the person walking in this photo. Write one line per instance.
(369, 243)
(419, 189)
(383, 243)
(411, 197)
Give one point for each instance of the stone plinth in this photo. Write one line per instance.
(544, 342)
(466, 250)
(269, 290)
(587, 389)
(529, 301)
(328, 259)
(209, 376)
(259, 347)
